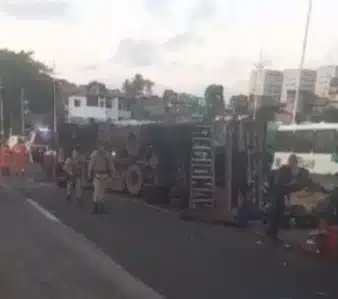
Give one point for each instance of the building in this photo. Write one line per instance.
(306, 101)
(333, 92)
(267, 83)
(95, 102)
(307, 82)
(324, 76)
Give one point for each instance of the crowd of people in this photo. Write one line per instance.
(13, 160)
(76, 168)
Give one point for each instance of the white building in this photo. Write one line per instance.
(266, 83)
(307, 82)
(82, 108)
(324, 76)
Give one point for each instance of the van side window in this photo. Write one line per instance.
(325, 141)
(284, 141)
(304, 141)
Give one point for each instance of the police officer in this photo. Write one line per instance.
(288, 178)
(100, 168)
(74, 167)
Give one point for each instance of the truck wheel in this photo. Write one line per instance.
(134, 180)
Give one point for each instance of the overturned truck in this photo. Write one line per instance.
(149, 157)
(154, 160)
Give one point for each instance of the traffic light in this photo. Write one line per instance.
(25, 107)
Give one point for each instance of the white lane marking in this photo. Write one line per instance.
(42, 210)
(129, 282)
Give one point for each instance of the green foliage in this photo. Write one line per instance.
(239, 104)
(137, 86)
(327, 114)
(214, 101)
(20, 70)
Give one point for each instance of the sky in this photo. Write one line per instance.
(180, 44)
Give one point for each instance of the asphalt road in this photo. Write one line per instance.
(183, 260)
(41, 258)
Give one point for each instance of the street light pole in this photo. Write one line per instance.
(2, 131)
(55, 141)
(259, 69)
(54, 103)
(22, 111)
(302, 59)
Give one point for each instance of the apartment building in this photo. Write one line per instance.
(324, 76)
(307, 82)
(267, 83)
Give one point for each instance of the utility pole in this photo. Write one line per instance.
(54, 109)
(10, 129)
(2, 131)
(259, 67)
(301, 64)
(22, 111)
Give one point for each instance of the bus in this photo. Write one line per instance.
(316, 146)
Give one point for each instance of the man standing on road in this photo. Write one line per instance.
(74, 168)
(289, 178)
(100, 168)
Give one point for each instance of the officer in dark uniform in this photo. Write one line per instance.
(287, 179)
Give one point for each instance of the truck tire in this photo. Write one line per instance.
(134, 180)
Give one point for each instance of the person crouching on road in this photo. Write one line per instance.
(19, 158)
(100, 168)
(74, 167)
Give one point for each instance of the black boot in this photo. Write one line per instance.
(95, 208)
(68, 198)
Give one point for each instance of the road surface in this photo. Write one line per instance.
(184, 260)
(40, 258)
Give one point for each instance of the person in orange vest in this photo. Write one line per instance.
(19, 158)
(6, 159)
(1, 158)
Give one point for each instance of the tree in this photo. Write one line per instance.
(96, 87)
(239, 104)
(20, 70)
(214, 100)
(327, 114)
(169, 97)
(308, 103)
(137, 86)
